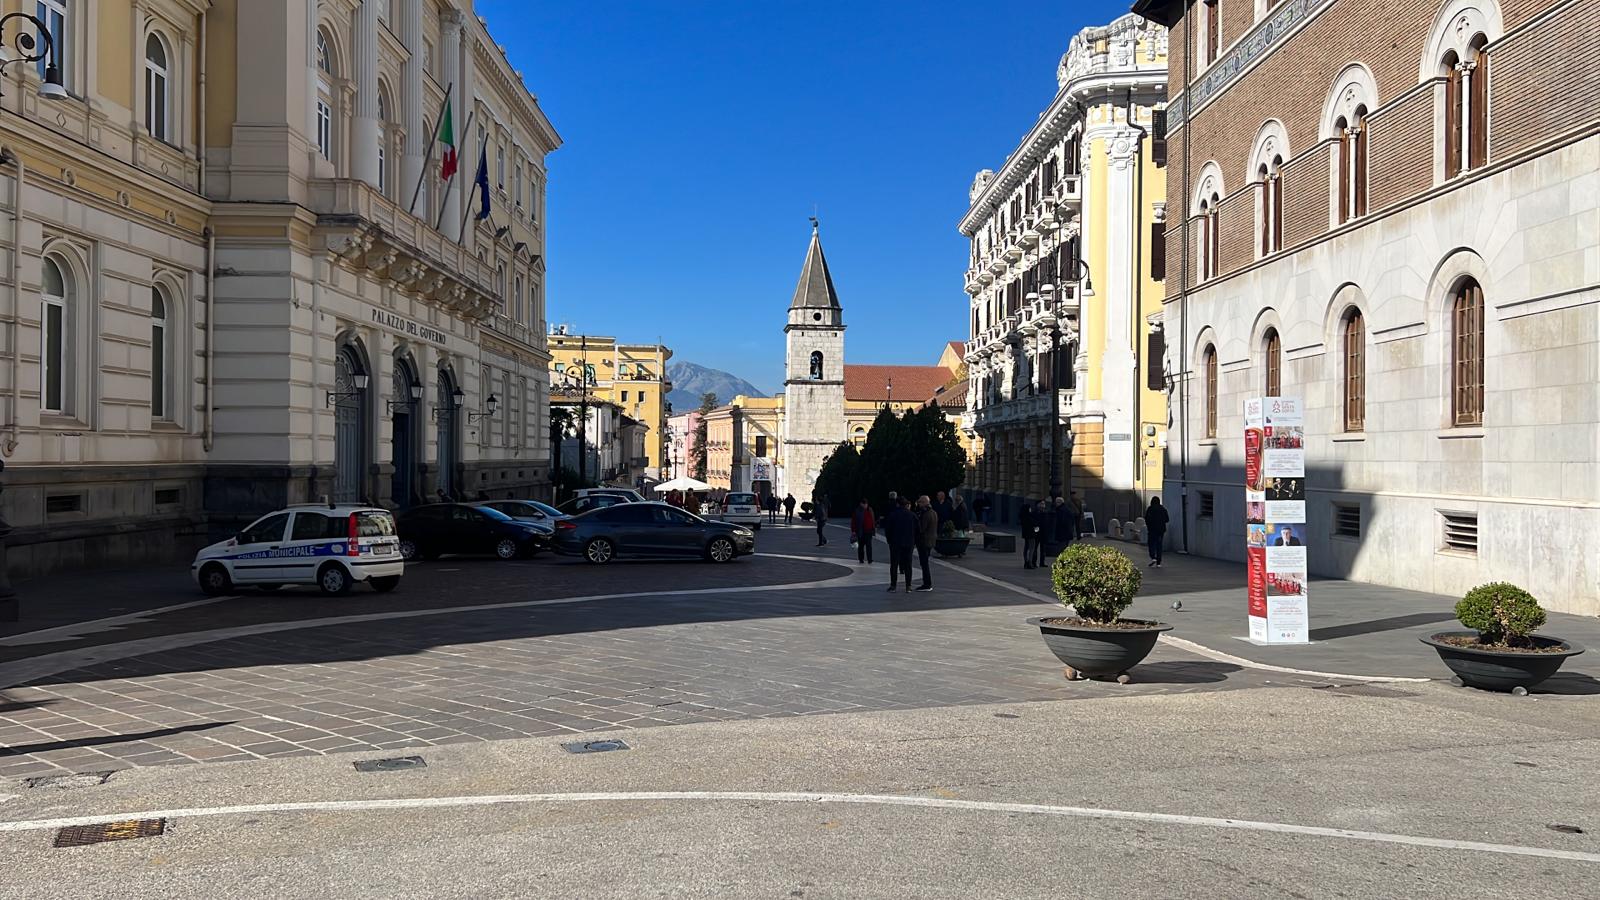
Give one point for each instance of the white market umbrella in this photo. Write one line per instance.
(682, 484)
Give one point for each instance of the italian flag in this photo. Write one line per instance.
(447, 136)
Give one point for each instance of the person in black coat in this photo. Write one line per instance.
(1030, 536)
(900, 531)
(1066, 516)
(1155, 526)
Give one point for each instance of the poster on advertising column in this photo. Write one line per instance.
(1275, 520)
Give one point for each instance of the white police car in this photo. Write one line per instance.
(329, 546)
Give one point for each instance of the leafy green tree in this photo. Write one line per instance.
(840, 478)
(883, 458)
(937, 462)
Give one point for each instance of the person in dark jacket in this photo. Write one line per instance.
(900, 530)
(1066, 522)
(980, 507)
(942, 507)
(1046, 522)
(961, 516)
(788, 509)
(819, 511)
(1155, 526)
(1030, 537)
(927, 536)
(862, 527)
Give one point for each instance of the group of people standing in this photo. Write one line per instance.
(1049, 526)
(772, 504)
(907, 527)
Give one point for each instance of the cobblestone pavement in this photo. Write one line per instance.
(474, 650)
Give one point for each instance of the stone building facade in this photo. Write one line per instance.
(223, 296)
(813, 384)
(1392, 212)
(1061, 287)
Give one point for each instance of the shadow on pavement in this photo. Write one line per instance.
(1373, 626)
(107, 739)
(1569, 684)
(1182, 672)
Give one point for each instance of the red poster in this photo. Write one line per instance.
(1256, 580)
(1253, 441)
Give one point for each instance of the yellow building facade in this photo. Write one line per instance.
(632, 376)
(1066, 244)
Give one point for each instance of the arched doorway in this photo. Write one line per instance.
(445, 432)
(349, 426)
(403, 435)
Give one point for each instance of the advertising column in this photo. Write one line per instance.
(1275, 520)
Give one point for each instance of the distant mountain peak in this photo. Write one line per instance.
(690, 381)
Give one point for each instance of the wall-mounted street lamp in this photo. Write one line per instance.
(489, 406)
(25, 48)
(360, 382)
(458, 398)
(413, 400)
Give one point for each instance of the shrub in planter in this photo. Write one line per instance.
(1501, 613)
(1099, 582)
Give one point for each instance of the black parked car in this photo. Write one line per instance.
(528, 513)
(650, 529)
(577, 506)
(426, 532)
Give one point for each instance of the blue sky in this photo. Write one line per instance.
(699, 136)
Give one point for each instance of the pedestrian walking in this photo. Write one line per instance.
(900, 530)
(819, 511)
(1155, 526)
(927, 536)
(1029, 523)
(863, 525)
(788, 509)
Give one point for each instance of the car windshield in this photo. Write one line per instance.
(545, 508)
(495, 514)
(741, 499)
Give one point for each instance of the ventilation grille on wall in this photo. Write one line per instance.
(1208, 504)
(1347, 520)
(1461, 532)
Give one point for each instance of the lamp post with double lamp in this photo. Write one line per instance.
(23, 47)
(582, 381)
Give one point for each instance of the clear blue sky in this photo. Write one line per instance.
(699, 136)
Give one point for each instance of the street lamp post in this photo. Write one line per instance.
(1048, 291)
(23, 48)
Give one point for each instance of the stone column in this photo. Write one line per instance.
(418, 131)
(469, 161)
(364, 131)
(1117, 285)
(450, 47)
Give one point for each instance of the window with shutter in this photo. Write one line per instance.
(1467, 357)
(1478, 104)
(1210, 361)
(1452, 117)
(1355, 372)
(1274, 359)
(1158, 250)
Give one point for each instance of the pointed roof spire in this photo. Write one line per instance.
(815, 290)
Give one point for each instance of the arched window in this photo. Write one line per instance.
(1272, 353)
(157, 90)
(1351, 133)
(324, 97)
(1452, 114)
(1209, 361)
(159, 356)
(1466, 358)
(517, 299)
(816, 365)
(859, 436)
(383, 139)
(57, 296)
(1355, 371)
(500, 284)
(1270, 174)
(1477, 94)
(1210, 236)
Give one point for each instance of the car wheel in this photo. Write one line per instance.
(720, 550)
(333, 579)
(599, 551)
(506, 548)
(384, 584)
(409, 551)
(214, 580)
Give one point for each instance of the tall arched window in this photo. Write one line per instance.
(1355, 371)
(1272, 353)
(1466, 358)
(1453, 98)
(1351, 133)
(1209, 361)
(500, 286)
(520, 309)
(816, 365)
(159, 354)
(157, 90)
(383, 140)
(1210, 239)
(57, 298)
(1477, 93)
(1271, 176)
(324, 97)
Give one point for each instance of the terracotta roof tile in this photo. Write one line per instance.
(911, 383)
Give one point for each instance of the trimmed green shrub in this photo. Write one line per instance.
(1097, 581)
(1501, 613)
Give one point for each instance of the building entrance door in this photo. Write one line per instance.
(349, 421)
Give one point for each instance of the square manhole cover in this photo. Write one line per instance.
(83, 835)
(397, 764)
(73, 780)
(595, 746)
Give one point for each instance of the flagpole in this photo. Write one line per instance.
(439, 220)
(466, 208)
(428, 159)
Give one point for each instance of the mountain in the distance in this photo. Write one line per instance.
(690, 382)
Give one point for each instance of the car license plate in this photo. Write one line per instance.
(381, 549)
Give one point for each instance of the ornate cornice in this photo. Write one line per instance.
(1258, 43)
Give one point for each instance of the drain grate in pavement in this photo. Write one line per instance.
(74, 780)
(127, 830)
(1365, 690)
(595, 746)
(397, 764)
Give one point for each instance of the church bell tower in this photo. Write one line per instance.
(813, 384)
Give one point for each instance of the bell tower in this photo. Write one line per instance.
(813, 384)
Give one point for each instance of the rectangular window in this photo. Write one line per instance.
(1346, 520)
(324, 130)
(1158, 250)
(53, 13)
(1208, 505)
(624, 396)
(63, 503)
(383, 172)
(1460, 532)
(1213, 32)
(761, 445)
(158, 373)
(54, 375)
(427, 55)
(500, 167)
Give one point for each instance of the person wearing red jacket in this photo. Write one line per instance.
(862, 527)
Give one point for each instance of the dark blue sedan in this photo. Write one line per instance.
(426, 532)
(650, 530)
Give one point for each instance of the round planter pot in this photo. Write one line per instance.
(956, 546)
(1501, 670)
(1099, 651)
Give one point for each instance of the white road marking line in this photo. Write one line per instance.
(95, 626)
(1079, 812)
